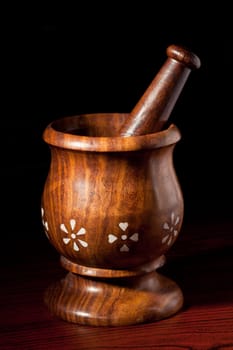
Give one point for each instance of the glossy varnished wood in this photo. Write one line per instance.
(155, 106)
(125, 301)
(112, 207)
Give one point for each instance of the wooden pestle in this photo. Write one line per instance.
(155, 106)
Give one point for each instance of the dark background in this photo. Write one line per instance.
(100, 57)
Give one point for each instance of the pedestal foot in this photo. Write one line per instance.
(114, 301)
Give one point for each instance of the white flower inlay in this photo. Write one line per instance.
(44, 222)
(124, 237)
(171, 229)
(73, 236)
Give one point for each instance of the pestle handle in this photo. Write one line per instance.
(155, 106)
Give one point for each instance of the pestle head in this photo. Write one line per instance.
(183, 55)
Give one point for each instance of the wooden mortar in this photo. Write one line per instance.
(112, 207)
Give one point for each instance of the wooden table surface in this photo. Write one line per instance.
(201, 262)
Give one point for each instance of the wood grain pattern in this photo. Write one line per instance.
(112, 207)
(114, 302)
(155, 106)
